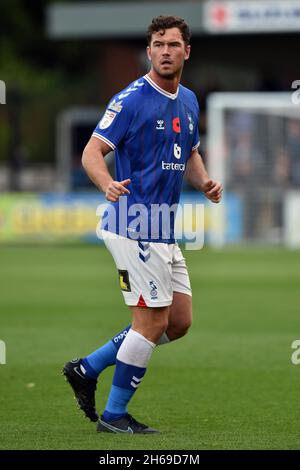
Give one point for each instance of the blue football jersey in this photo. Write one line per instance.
(153, 133)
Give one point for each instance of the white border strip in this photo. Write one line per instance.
(108, 142)
(172, 96)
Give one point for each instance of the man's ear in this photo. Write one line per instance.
(148, 53)
(187, 52)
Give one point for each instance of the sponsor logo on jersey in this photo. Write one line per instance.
(160, 124)
(176, 125)
(116, 106)
(177, 151)
(124, 280)
(107, 119)
(173, 166)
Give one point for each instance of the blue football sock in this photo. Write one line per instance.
(105, 356)
(136, 350)
(125, 382)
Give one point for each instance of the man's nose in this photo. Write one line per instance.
(166, 49)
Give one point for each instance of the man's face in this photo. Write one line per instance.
(168, 52)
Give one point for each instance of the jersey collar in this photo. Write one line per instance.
(172, 96)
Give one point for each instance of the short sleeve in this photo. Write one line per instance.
(196, 137)
(115, 122)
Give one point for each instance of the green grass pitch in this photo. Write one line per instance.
(229, 384)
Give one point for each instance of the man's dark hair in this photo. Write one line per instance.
(161, 23)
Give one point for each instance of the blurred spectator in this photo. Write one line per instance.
(281, 167)
(293, 150)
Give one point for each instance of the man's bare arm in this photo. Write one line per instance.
(96, 168)
(197, 176)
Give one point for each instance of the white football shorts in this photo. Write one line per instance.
(149, 272)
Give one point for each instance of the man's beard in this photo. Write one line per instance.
(167, 75)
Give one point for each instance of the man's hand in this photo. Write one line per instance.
(197, 176)
(213, 190)
(115, 189)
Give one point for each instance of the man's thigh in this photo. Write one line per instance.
(180, 312)
(180, 276)
(180, 315)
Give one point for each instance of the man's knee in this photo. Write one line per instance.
(150, 322)
(181, 328)
(159, 324)
(179, 325)
(185, 326)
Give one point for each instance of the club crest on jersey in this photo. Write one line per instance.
(107, 119)
(191, 123)
(153, 291)
(160, 124)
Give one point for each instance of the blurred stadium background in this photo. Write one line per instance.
(61, 62)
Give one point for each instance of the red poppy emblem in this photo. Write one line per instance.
(176, 125)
